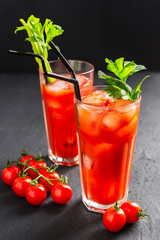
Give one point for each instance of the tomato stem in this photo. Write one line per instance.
(63, 178)
(8, 165)
(37, 178)
(116, 206)
(23, 153)
(141, 215)
(33, 182)
(42, 168)
(22, 174)
(24, 170)
(36, 171)
(53, 168)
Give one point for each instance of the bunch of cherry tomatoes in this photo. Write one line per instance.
(31, 178)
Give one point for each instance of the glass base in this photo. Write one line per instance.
(99, 208)
(63, 161)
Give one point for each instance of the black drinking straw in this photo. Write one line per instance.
(52, 75)
(31, 55)
(63, 59)
(70, 80)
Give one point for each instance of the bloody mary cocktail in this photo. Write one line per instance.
(59, 112)
(106, 131)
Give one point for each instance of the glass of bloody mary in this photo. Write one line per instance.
(106, 135)
(59, 111)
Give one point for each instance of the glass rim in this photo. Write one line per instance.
(58, 60)
(100, 106)
(90, 64)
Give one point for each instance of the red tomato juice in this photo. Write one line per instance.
(107, 132)
(59, 114)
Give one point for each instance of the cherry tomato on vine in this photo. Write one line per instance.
(132, 211)
(36, 164)
(25, 159)
(9, 174)
(49, 175)
(36, 194)
(20, 185)
(114, 218)
(61, 193)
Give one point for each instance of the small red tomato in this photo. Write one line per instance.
(36, 194)
(26, 158)
(132, 211)
(61, 193)
(20, 185)
(114, 218)
(49, 175)
(36, 164)
(9, 174)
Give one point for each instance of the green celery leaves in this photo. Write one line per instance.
(118, 88)
(137, 89)
(123, 69)
(39, 36)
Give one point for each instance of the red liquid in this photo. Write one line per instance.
(59, 113)
(107, 138)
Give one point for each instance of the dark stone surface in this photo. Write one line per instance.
(22, 126)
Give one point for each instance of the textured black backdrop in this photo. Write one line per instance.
(93, 30)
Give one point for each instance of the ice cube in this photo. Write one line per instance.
(128, 113)
(129, 116)
(89, 120)
(82, 80)
(129, 130)
(121, 102)
(55, 105)
(97, 98)
(87, 162)
(128, 109)
(112, 121)
(57, 86)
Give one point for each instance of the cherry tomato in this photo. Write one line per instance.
(25, 159)
(114, 219)
(49, 175)
(20, 185)
(36, 164)
(9, 174)
(36, 194)
(61, 193)
(132, 211)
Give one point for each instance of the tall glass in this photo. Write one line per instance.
(59, 112)
(106, 145)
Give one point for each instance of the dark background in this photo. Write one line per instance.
(93, 30)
